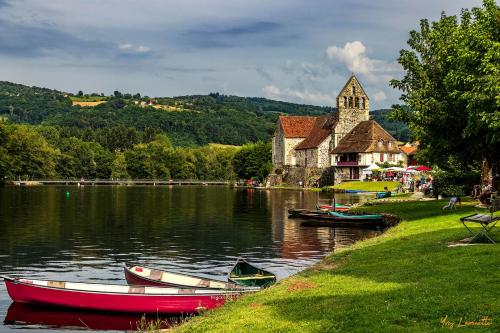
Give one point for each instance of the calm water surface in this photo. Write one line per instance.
(44, 234)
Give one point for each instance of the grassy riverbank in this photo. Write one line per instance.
(407, 280)
(366, 186)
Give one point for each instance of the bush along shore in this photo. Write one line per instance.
(416, 277)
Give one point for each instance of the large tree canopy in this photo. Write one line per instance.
(452, 88)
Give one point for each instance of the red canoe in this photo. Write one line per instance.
(137, 275)
(119, 298)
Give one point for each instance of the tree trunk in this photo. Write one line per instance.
(490, 172)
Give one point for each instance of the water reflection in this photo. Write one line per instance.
(31, 316)
(88, 235)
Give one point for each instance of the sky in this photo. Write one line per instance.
(290, 50)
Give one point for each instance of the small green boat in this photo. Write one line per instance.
(246, 274)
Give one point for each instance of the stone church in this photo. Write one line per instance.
(345, 142)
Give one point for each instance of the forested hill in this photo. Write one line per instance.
(397, 129)
(188, 120)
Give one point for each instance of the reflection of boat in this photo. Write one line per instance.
(246, 274)
(137, 275)
(118, 298)
(27, 314)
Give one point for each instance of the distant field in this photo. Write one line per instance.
(82, 103)
(220, 145)
(88, 98)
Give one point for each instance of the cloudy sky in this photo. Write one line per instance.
(292, 50)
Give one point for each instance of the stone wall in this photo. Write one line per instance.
(351, 109)
(290, 153)
(324, 153)
(278, 156)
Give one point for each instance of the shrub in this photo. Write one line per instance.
(454, 184)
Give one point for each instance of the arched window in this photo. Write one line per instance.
(354, 90)
(350, 102)
(345, 101)
(356, 102)
(363, 106)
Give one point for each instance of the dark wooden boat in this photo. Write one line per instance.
(137, 275)
(116, 298)
(246, 274)
(336, 216)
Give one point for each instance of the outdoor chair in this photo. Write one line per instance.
(486, 221)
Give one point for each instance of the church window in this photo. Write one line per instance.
(356, 102)
(353, 90)
(363, 106)
(350, 102)
(345, 101)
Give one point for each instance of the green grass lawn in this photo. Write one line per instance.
(407, 280)
(366, 186)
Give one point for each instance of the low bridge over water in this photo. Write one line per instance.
(120, 182)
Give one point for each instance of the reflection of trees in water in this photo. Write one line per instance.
(96, 225)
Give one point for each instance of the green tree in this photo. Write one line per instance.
(452, 88)
(119, 167)
(253, 161)
(84, 159)
(28, 153)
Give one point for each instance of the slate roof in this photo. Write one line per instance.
(321, 130)
(364, 138)
(296, 126)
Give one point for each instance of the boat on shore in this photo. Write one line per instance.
(137, 275)
(245, 274)
(337, 219)
(117, 298)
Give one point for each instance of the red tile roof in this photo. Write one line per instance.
(296, 126)
(409, 150)
(321, 130)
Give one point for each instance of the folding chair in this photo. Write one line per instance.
(487, 221)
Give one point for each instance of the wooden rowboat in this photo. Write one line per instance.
(116, 298)
(246, 274)
(137, 275)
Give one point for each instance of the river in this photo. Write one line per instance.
(86, 233)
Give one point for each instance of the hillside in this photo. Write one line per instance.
(188, 120)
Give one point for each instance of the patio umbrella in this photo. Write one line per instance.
(396, 169)
(372, 167)
(418, 168)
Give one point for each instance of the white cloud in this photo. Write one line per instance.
(127, 47)
(305, 96)
(353, 56)
(379, 96)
